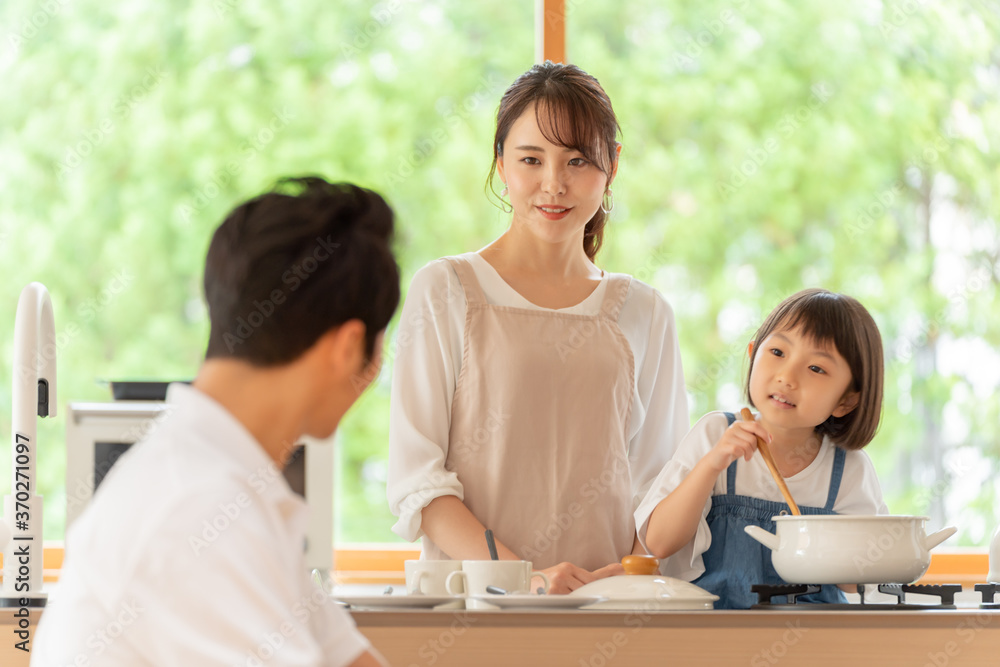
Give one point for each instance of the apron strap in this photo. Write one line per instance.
(474, 294)
(731, 470)
(839, 456)
(614, 297)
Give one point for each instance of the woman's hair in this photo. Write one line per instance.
(286, 267)
(826, 317)
(577, 115)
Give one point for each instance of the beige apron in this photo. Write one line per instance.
(539, 428)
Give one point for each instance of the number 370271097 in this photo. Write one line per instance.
(22, 483)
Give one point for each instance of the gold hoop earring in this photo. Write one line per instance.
(608, 203)
(505, 206)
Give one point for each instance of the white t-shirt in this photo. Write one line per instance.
(860, 492)
(191, 553)
(428, 358)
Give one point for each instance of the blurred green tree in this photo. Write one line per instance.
(767, 147)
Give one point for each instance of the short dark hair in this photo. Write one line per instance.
(578, 115)
(289, 265)
(826, 317)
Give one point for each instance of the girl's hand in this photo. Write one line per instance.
(739, 440)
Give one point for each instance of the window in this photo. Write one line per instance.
(766, 148)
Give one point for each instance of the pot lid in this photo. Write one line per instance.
(646, 591)
(644, 587)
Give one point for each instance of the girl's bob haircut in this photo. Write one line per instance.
(826, 317)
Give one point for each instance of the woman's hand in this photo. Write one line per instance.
(739, 440)
(610, 570)
(566, 577)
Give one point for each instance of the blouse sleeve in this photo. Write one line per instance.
(686, 563)
(661, 407)
(428, 357)
(860, 491)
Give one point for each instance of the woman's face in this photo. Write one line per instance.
(554, 190)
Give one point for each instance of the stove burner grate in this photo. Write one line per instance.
(945, 592)
(988, 591)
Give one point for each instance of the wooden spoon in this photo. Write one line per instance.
(765, 452)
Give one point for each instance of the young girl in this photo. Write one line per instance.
(525, 375)
(816, 378)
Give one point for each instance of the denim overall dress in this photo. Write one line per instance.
(735, 561)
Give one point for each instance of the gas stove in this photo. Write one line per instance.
(988, 591)
(944, 592)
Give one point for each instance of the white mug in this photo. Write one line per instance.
(427, 577)
(514, 576)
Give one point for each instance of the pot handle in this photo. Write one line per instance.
(937, 538)
(769, 540)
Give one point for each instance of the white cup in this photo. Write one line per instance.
(514, 576)
(428, 577)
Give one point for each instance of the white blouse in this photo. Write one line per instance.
(860, 492)
(428, 358)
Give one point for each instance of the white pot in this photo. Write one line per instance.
(839, 549)
(993, 576)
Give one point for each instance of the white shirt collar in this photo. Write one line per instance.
(195, 411)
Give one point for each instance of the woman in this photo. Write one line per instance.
(533, 393)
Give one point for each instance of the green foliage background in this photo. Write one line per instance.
(768, 146)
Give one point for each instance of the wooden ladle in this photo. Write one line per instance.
(765, 452)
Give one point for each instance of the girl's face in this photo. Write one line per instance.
(797, 383)
(554, 190)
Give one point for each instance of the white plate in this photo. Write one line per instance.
(529, 601)
(398, 601)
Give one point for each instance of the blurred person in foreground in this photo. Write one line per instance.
(300, 284)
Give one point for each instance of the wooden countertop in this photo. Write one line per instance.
(758, 638)
(412, 638)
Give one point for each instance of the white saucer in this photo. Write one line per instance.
(529, 601)
(397, 601)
